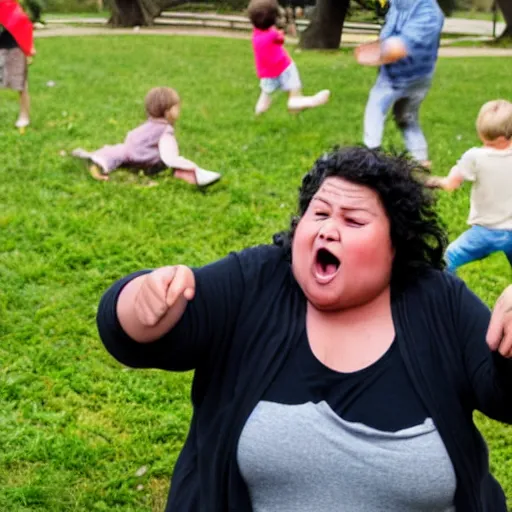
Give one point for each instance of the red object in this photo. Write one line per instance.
(14, 19)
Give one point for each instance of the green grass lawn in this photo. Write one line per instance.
(477, 15)
(75, 426)
(503, 43)
(48, 16)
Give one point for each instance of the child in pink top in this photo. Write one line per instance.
(274, 67)
(151, 146)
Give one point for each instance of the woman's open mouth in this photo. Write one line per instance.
(326, 266)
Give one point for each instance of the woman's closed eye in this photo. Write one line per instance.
(355, 222)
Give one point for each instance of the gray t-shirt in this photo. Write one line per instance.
(323, 441)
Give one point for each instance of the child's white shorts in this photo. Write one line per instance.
(288, 80)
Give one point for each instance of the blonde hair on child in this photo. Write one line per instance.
(159, 100)
(495, 120)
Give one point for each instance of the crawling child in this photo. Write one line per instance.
(151, 146)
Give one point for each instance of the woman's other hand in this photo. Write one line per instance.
(499, 334)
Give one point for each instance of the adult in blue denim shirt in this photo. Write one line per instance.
(406, 54)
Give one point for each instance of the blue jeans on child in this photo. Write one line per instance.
(406, 101)
(476, 243)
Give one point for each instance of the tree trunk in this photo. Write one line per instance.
(324, 31)
(506, 9)
(130, 13)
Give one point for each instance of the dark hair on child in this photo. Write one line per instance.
(263, 13)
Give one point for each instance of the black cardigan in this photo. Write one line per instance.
(236, 333)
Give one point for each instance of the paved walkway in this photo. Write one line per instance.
(471, 27)
(74, 31)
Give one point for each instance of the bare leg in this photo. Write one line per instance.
(188, 176)
(297, 102)
(200, 177)
(291, 28)
(24, 117)
(263, 103)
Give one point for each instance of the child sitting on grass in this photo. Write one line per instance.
(489, 168)
(274, 67)
(151, 146)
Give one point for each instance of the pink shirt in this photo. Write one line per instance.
(140, 147)
(142, 142)
(270, 57)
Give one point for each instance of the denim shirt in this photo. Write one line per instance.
(418, 23)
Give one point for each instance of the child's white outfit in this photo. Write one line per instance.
(490, 215)
(288, 80)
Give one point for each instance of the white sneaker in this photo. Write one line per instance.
(321, 98)
(205, 178)
(22, 122)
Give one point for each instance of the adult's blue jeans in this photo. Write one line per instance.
(406, 101)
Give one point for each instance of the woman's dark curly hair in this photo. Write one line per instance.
(417, 235)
